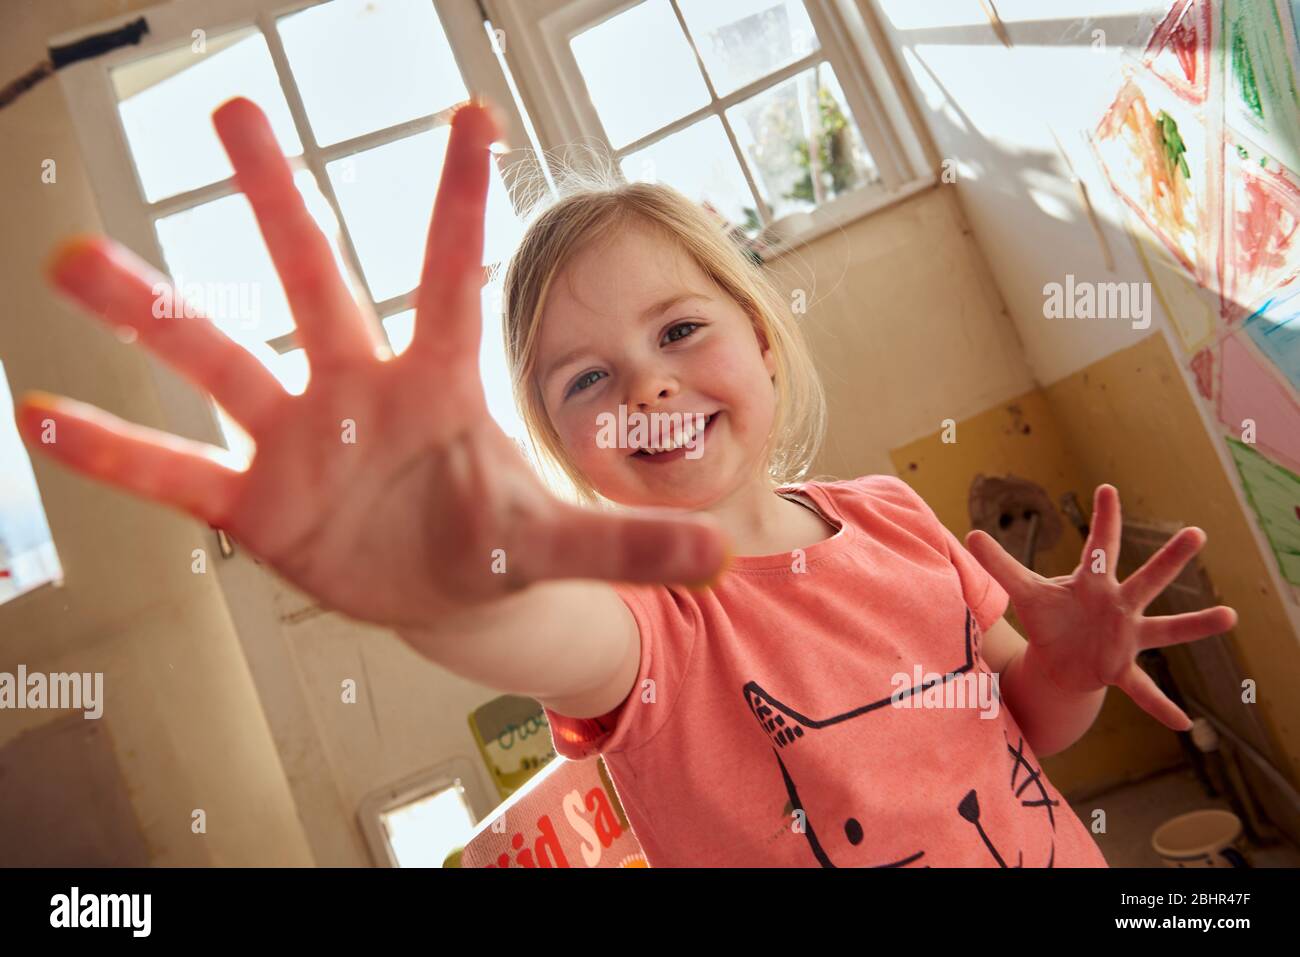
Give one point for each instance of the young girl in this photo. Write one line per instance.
(841, 690)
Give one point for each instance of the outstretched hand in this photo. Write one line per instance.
(386, 490)
(1085, 629)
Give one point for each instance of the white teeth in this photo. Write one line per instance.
(690, 433)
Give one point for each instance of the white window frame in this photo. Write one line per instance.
(537, 34)
(129, 218)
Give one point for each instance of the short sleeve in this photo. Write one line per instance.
(986, 599)
(667, 621)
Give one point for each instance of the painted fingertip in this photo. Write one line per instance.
(66, 253)
(716, 577)
(32, 413)
(464, 108)
(233, 107)
(38, 397)
(476, 104)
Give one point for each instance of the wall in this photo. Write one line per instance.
(906, 326)
(181, 708)
(1128, 404)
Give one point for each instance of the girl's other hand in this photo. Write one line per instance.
(1086, 628)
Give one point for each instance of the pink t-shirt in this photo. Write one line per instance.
(775, 690)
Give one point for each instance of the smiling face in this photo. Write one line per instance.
(634, 321)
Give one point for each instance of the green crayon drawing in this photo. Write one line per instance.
(1274, 494)
(1174, 147)
(1263, 99)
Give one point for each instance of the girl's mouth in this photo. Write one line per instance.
(658, 458)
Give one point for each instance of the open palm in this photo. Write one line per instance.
(1085, 629)
(386, 489)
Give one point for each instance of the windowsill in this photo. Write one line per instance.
(23, 597)
(800, 229)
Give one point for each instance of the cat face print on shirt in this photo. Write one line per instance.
(882, 786)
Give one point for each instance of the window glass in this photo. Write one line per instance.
(27, 555)
(363, 65)
(166, 104)
(639, 71)
(741, 41)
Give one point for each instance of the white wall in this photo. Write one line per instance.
(993, 110)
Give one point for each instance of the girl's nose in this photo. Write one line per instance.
(657, 388)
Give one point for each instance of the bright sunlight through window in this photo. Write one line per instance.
(362, 67)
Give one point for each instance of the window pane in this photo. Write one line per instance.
(423, 832)
(700, 162)
(27, 556)
(742, 41)
(492, 359)
(775, 131)
(400, 328)
(640, 71)
(362, 65)
(386, 195)
(291, 369)
(166, 103)
(216, 256)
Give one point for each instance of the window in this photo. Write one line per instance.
(359, 93)
(27, 556)
(777, 112)
(796, 137)
(420, 821)
(774, 112)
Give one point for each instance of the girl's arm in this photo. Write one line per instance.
(1051, 719)
(573, 645)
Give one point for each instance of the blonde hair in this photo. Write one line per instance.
(590, 208)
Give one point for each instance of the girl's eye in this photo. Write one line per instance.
(582, 384)
(578, 385)
(694, 325)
